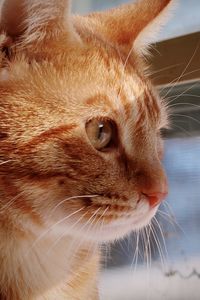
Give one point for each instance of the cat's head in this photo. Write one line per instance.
(80, 122)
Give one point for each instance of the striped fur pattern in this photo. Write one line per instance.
(60, 197)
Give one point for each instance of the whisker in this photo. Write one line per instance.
(154, 234)
(102, 223)
(183, 95)
(123, 247)
(5, 162)
(94, 228)
(167, 217)
(186, 116)
(52, 227)
(145, 251)
(189, 88)
(71, 198)
(10, 202)
(183, 72)
(166, 204)
(135, 257)
(162, 235)
(65, 232)
(184, 75)
(164, 69)
(94, 215)
(143, 243)
(147, 229)
(182, 129)
(124, 68)
(80, 230)
(173, 222)
(184, 103)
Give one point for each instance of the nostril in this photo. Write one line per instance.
(155, 198)
(139, 199)
(160, 195)
(152, 183)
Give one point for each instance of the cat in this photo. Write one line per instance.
(80, 142)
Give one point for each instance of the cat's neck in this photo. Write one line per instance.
(32, 264)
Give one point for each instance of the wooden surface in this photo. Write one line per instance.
(176, 59)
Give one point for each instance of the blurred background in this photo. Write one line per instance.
(173, 271)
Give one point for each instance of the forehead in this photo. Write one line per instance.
(121, 93)
(123, 90)
(94, 80)
(102, 67)
(116, 80)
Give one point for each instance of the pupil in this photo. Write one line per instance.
(101, 126)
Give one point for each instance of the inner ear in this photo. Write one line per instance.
(36, 22)
(12, 17)
(5, 44)
(133, 25)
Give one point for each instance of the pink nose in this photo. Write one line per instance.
(157, 189)
(152, 182)
(156, 198)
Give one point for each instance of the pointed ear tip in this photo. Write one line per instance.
(167, 2)
(149, 34)
(163, 4)
(172, 3)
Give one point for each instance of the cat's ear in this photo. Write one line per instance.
(38, 23)
(133, 25)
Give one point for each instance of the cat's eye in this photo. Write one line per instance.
(100, 133)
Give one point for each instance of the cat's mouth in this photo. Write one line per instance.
(138, 219)
(101, 218)
(119, 219)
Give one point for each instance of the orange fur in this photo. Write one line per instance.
(60, 198)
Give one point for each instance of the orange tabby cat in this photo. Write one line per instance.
(80, 143)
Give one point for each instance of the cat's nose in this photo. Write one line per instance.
(156, 198)
(153, 184)
(157, 191)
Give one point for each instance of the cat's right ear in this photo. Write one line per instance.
(38, 24)
(132, 26)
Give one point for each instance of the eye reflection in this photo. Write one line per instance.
(100, 133)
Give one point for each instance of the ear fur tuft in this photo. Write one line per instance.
(134, 25)
(150, 33)
(37, 22)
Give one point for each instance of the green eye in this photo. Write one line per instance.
(100, 133)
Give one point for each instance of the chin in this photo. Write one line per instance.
(122, 227)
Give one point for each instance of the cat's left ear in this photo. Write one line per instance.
(134, 25)
(38, 24)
